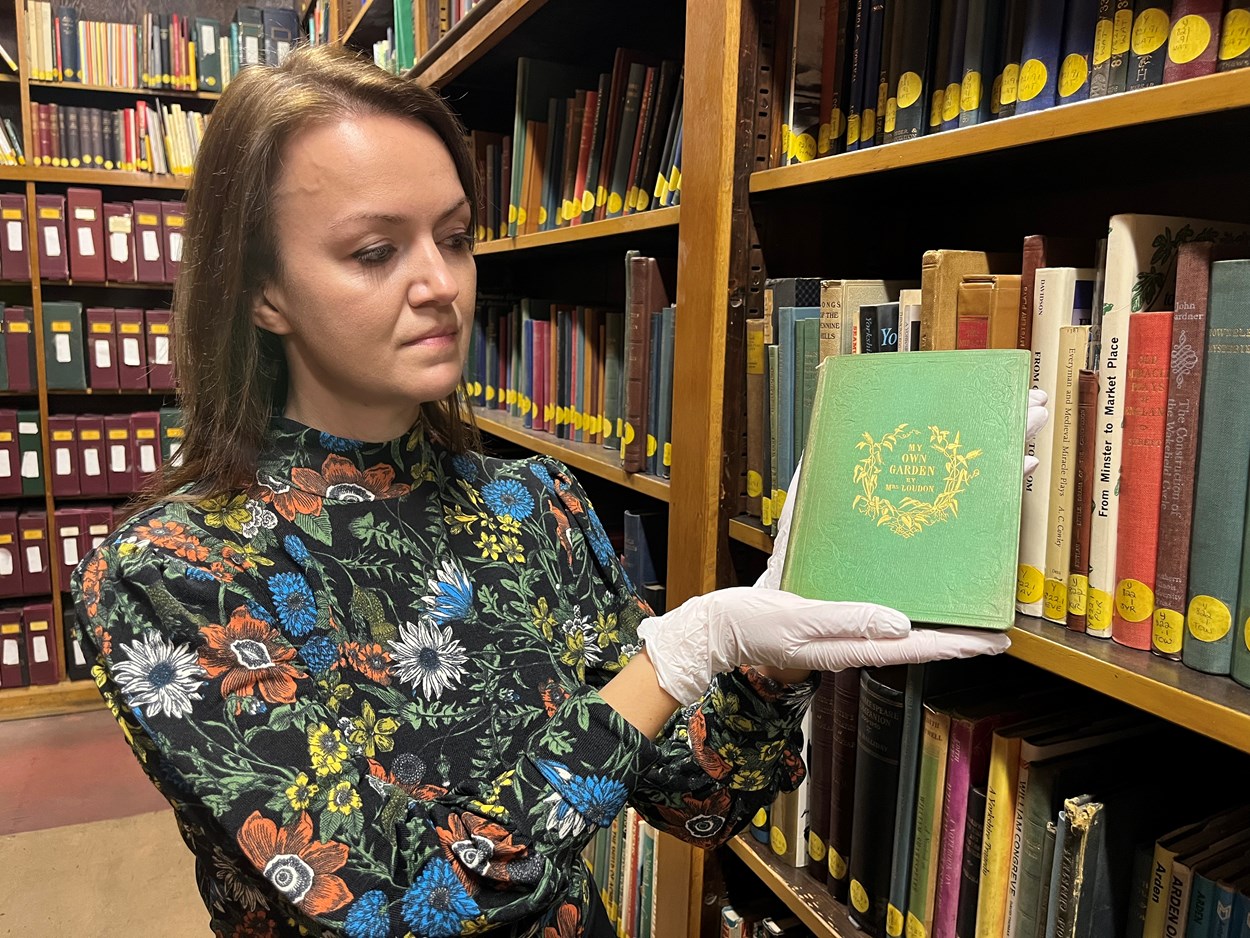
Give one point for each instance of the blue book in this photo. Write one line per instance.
(527, 368)
(1039, 60)
(1078, 50)
(787, 342)
(1239, 920)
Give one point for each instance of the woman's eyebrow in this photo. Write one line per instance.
(390, 218)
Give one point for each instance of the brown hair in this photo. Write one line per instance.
(231, 373)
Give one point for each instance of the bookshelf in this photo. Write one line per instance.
(652, 220)
(74, 87)
(802, 895)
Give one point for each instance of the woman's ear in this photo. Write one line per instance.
(267, 312)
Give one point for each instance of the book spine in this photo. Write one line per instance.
(1000, 819)
(1100, 61)
(926, 842)
(1193, 42)
(955, 68)
(1073, 342)
(1121, 42)
(1151, 22)
(1223, 465)
(820, 779)
(1141, 476)
(857, 41)
(637, 334)
(911, 100)
(1015, 897)
(957, 786)
(1012, 48)
(755, 385)
(830, 318)
(1234, 51)
(1081, 20)
(970, 872)
(770, 506)
(846, 686)
(911, 741)
(1078, 569)
(1039, 58)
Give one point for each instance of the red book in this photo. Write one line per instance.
(32, 529)
(63, 445)
(41, 644)
(99, 521)
(160, 349)
(14, 249)
(539, 371)
(92, 478)
(1086, 440)
(10, 563)
(12, 649)
(1194, 39)
(101, 348)
(119, 259)
(583, 155)
(1141, 475)
(50, 221)
(132, 364)
(86, 233)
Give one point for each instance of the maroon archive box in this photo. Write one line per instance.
(10, 557)
(101, 348)
(145, 446)
(50, 224)
(119, 230)
(42, 640)
(132, 350)
(63, 445)
(10, 455)
(99, 522)
(70, 525)
(12, 648)
(32, 532)
(173, 218)
(15, 242)
(149, 253)
(160, 349)
(118, 454)
(93, 460)
(85, 211)
(19, 347)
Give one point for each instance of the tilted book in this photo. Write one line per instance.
(914, 463)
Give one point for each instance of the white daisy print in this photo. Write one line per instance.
(428, 658)
(159, 677)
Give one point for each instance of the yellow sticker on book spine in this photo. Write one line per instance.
(970, 92)
(1209, 619)
(777, 840)
(891, 115)
(668, 455)
(1122, 31)
(1150, 30)
(1134, 600)
(909, 87)
(1167, 630)
(1102, 41)
(815, 847)
(766, 511)
(1078, 588)
(1032, 79)
(1072, 75)
(1055, 601)
(1098, 611)
(1029, 584)
(755, 484)
(1190, 37)
(893, 921)
(950, 102)
(852, 129)
(837, 864)
(803, 148)
(915, 927)
(859, 896)
(1010, 86)
(1235, 34)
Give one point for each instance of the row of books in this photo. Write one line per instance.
(24, 557)
(28, 645)
(945, 804)
(735, 923)
(622, 860)
(103, 348)
(582, 150)
(861, 73)
(11, 151)
(83, 237)
(92, 455)
(584, 374)
(441, 16)
(163, 51)
(158, 139)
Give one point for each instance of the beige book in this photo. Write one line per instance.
(840, 301)
(1073, 347)
(940, 275)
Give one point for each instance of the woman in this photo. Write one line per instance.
(391, 686)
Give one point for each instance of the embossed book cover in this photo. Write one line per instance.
(910, 489)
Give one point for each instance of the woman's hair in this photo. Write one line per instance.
(231, 373)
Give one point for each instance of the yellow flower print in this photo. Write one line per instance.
(509, 525)
(512, 549)
(748, 780)
(371, 734)
(301, 794)
(605, 629)
(488, 544)
(457, 520)
(222, 511)
(337, 694)
(343, 798)
(544, 621)
(770, 751)
(327, 749)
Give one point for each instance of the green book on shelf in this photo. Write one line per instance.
(914, 464)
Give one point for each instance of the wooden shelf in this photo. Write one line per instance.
(748, 530)
(10, 80)
(472, 38)
(94, 177)
(584, 457)
(141, 92)
(18, 703)
(1207, 95)
(370, 23)
(1213, 705)
(803, 896)
(105, 285)
(108, 392)
(652, 220)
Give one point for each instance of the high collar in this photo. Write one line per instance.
(333, 468)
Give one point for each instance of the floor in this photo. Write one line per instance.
(87, 845)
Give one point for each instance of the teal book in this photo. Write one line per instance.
(789, 393)
(805, 381)
(915, 464)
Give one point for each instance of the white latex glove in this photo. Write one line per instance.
(710, 634)
(1038, 415)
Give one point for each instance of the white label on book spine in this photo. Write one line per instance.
(28, 428)
(52, 241)
(160, 350)
(40, 648)
(206, 38)
(30, 465)
(175, 246)
(119, 224)
(6, 469)
(119, 247)
(78, 655)
(151, 246)
(61, 343)
(175, 457)
(84, 213)
(86, 242)
(69, 551)
(13, 231)
(147, 458)
(117, 458)
(34, 559)
(103, 357)
(11, 655)
(130, 352)
(91, 461)
(251, 50)
(64, 461)
(6, 562)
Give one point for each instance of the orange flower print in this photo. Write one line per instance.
(92, 576)
(256, 924)
(290, 500)
(701, 819)
(409, 769)
(250, 658)
(479, 847)
(708, 758)
(568, 923)
(345, 483)
(370, 659)
(173, 536)
(300, 868)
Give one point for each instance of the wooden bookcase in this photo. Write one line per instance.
(1164, 149)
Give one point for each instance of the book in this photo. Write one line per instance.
(846, 691)
(1040, 56)
(941, 272)
(1078, 567)
(988, 311)
(1121, 43)
(1151, 23)
(970, 872)
(883, 429)
(1234, 51)
(820, 779)
(927, 839)
(1080, 22)
(982, 43)
(1194, 39)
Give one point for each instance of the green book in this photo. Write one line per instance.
(30, 452)
(65, 357)
(770, 516)
(208, 53)
(809, 349)
(915, 465)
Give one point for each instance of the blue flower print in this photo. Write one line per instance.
(451, 594)
(596, 800)
(319, 653)
(465, 466)
(257, 611)
(297, 607)
(295, 549)
(367, 918)
(338, 444)
(437, 904)
(200, 574)
(508, 497)
(542, 475)
(605, 553)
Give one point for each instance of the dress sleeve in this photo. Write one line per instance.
(231, 723)
(719, 760)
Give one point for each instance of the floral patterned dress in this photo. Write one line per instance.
(369, 688)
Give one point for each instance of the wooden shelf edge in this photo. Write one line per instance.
(1206, 95)
(1213, 705)
(747, 530)
(20, 703)
(445, 60)
(142, 92)
(668, 216)
(802, 895)
(583, 457)
(95, 177)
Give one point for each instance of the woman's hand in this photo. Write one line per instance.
(710, 634)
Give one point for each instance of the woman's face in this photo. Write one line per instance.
(375, 291)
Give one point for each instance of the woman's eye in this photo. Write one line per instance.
(461, 242)
(379, 254)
